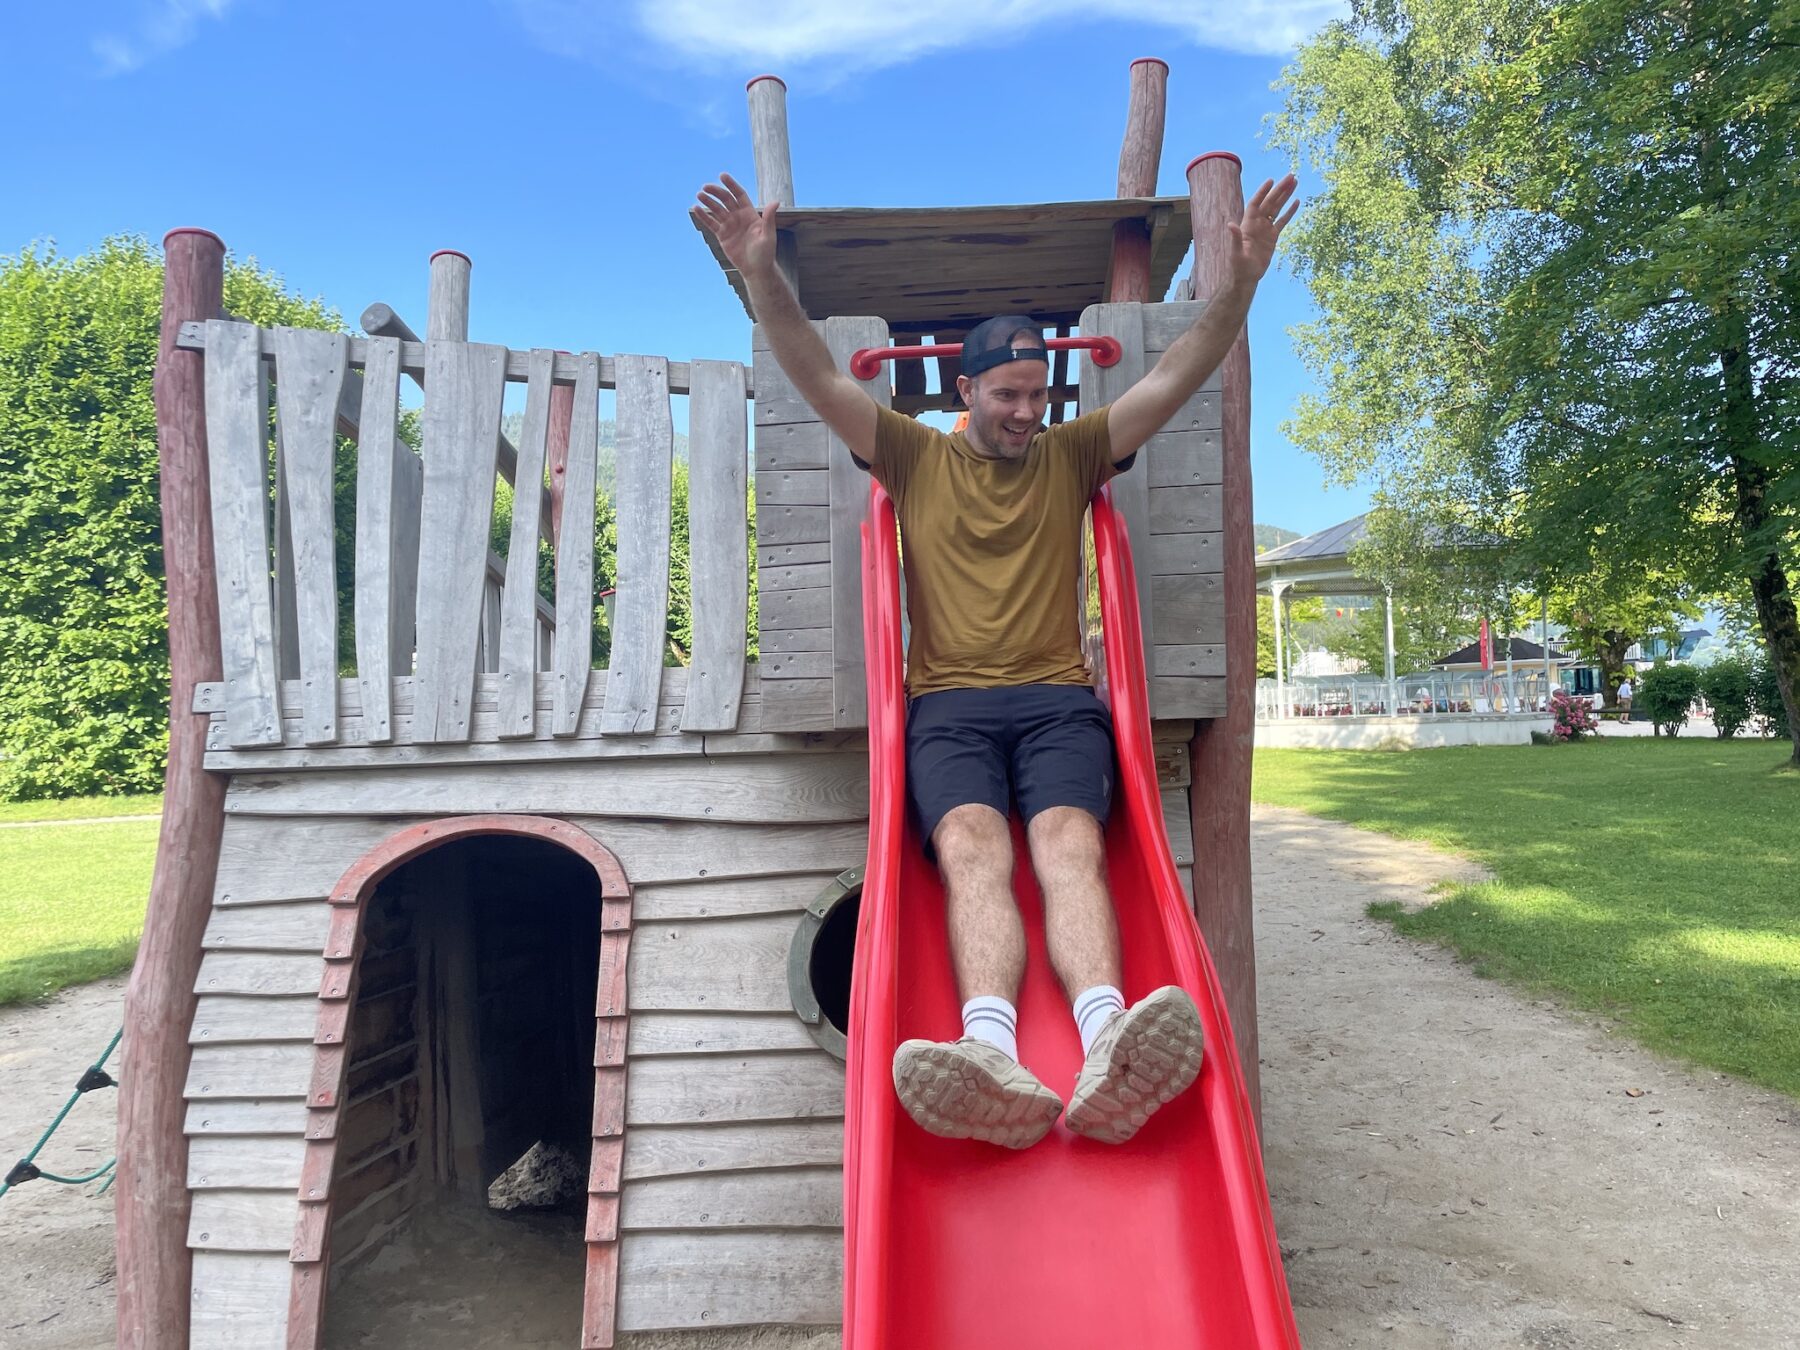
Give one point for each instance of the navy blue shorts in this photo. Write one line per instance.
(1042, 745)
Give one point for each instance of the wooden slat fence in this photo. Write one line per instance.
(435, 608)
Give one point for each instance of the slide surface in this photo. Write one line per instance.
(1166, 1241)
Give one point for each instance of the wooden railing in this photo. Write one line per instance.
(433, 604)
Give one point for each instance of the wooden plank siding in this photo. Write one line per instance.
(641, 608)
(516, 714)
(718, 547)
(1171, 501)
(575, 552)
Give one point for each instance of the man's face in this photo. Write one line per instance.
(1006, 404)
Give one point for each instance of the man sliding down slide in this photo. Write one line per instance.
(1001, 709)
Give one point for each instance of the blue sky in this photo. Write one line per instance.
(559, 142)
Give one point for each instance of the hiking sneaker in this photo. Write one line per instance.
(969, 1089)
(1142, 1060)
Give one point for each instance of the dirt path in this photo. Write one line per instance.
(1452, 1165)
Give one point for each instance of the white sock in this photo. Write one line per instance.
(1094, 1009)
(993, 1020)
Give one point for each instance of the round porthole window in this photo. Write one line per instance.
(820, 960)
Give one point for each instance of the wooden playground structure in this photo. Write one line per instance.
(433, 886)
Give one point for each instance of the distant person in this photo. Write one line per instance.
(1625, 701)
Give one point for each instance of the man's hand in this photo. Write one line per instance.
(746, 234)
(1253, 242)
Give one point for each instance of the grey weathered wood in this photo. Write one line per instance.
(1185, 510)
(808, 608)
(272, 1115)
(705, 1033)
(798, 705)
(218, 1163)
(781, 894)
(797, 665)
(794, 487)
(1205, 659)
(1101, 385)
(775, 641)
(849, 509)
(518, 364)
(722, 965)
(268, 859)
(219, 1020)
(735, 1088)
(463, 387)
(767, 98)
(575, 551)
(239, 1301)
(1191, 610)
(310, 365)
(380, 495)
(796, 577)
(811, 1197)
(641, 608)
(259, 973)
(791, 445)
(1165, 322)
(244, 1221)
(265, 1069)
(792, 524)
(237, 432)
(672, 1280)
(1202, 697)
(683, 1150)
(749, 788)
(718, 546)
(519, 621)
(1185, 458)
(272, 928)
(488, 663)
(1177, 554)
(447, 300)
(1179, 824)
(408, 503)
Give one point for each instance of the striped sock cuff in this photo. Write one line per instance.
(1093, 1009)
(993, 1020)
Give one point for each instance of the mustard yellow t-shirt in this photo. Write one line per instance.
(991, 550)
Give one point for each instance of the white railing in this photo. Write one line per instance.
(1430, 694)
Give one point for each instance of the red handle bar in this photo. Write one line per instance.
(865, 364)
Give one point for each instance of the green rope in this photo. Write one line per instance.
(26, 1169)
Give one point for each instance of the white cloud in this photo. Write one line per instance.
(165, 25)
(831, 39)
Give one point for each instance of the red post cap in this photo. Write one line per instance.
(1213, 154)
(757, 79)
(452, 252)
(1151, 61)
(193, 229)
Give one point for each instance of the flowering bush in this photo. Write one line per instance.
(1571, 717)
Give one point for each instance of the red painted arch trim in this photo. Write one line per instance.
(310, 1254)
(1213, 154)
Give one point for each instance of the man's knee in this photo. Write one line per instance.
(1066, 839)
(972, 840)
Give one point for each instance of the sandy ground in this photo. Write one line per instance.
(1452, 1165)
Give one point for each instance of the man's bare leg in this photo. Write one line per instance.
(973, 1088)
(1139, 1058)
(987, 937)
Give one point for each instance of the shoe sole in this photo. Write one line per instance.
(1155, 1059)
(951, 1096)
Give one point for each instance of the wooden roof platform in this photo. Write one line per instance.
(934, 269)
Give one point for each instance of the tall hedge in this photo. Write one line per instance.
(83, 622)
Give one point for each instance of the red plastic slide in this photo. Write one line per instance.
(1164, 1242)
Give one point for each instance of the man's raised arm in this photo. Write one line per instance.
(747, 237)
(1144, 409)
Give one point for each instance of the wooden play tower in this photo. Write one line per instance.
(433, 885)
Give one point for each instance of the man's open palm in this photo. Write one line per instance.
(746, 234)
(1253, 242)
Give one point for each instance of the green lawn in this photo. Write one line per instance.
(71, 901)
(76, 808)
(1657, 882)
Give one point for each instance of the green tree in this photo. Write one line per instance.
(1665, 693)
(1729, 686)
(1557, 292)
(84, 671)
(1423, 632)
(1603, 617)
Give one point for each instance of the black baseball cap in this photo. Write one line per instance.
(990, 343)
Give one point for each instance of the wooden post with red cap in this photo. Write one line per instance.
(1128, 274)
(1222, 746)
(152, 1206)
(767, 95)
